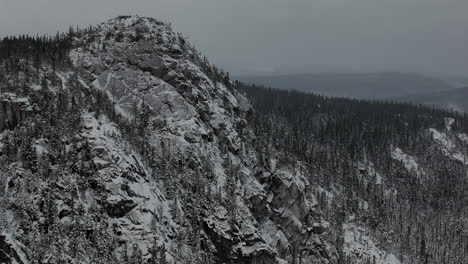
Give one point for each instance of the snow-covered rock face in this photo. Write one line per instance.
(448, 123)
(132, 202)
(360, 246)
(448, 146)
(409, 162)
(292, 220)
(138, 60)
(189, 188)
(196, 123)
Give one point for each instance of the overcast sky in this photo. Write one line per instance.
(283, 35)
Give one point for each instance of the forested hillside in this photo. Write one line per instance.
(121, 143)
(398, 169)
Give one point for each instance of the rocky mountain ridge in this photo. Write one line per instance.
(128, 146)
(190, 189)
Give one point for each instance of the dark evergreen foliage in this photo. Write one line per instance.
(330, 135)
(333, 135)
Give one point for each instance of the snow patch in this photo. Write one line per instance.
(367, 171)
(447, 146)
(36, 87)
(361, 247)
(463, 137)
(448, 123)
(409, 162)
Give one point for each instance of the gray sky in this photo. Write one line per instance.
(283, 35)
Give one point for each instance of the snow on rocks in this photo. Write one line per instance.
(368, 173)
(448, 123)
(447, 146)
(200, 123)
(409, 162)
(131, 201)
(442, 139)
(463, 137)
(360, 246)
(287, 214)
(243, 238)
(106, 150)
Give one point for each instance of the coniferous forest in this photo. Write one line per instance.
(121, 143)
(334, 135)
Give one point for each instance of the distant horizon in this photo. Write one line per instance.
(345, 72)
(300, 36)
(252, 71)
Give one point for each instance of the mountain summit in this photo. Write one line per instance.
(137, 149)
(120, 143)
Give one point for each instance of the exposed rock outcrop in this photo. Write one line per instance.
(13, 110)
(188, 183)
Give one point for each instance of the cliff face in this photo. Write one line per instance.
(189, 188)
(13, 111)
(143, 152)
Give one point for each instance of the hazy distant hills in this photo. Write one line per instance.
(456, 99)
(385, 85)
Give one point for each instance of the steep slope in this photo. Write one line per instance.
(121, 144)
(137, 150)
(389, 177)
